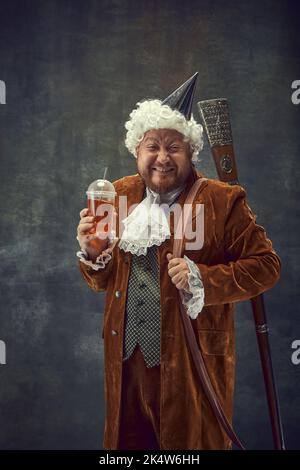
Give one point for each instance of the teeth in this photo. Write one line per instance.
(163, 171)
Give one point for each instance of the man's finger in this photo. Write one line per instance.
(83, 228)
(176, 269)
(174, 262)
(178, 278)
(87, 219)
(83, 212)
(180, 285)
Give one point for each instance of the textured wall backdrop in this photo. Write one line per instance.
(73, 72)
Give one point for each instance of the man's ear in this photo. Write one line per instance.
(137, 149)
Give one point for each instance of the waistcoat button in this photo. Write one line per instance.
(114, 332)
(118, 294)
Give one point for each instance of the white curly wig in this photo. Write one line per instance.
(152, 114)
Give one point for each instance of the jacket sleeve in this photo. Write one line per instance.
(251, 267)
(97, 280)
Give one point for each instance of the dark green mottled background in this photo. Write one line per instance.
(74, 70)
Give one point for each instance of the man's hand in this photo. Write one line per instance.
(178, 271)
(87, 240)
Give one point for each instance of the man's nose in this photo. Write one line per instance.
(163, 156)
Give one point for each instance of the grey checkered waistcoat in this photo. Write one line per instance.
(142, 320)
(142, 323)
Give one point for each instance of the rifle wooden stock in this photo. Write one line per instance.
(225, 163)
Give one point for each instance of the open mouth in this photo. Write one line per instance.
(163, 170)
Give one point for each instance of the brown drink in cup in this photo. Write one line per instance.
(101, 192)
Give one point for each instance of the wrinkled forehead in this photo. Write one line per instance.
(163, 135)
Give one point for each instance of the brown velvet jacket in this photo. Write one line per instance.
(236, 262)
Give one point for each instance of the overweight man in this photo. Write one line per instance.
(153, 398)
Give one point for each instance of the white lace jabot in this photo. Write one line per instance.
(147, 224)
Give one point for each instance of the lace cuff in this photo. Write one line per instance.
(103, 259)
(100, 262)
(193, 301)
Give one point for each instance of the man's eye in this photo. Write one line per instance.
(151, 147)
(174, 148)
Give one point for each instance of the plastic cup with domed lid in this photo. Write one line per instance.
(101, 200)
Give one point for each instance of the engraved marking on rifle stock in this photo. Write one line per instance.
(215, 115)
(226, 163)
